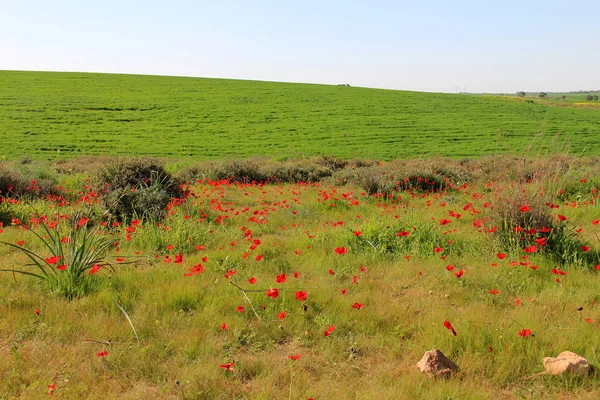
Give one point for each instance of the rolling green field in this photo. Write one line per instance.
(48, 116)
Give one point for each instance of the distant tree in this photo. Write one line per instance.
(543, 95)
(595, 97)
(564, 96)
(521, 94)
(589, 97)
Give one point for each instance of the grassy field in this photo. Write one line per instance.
(46, 115)
(365, 281)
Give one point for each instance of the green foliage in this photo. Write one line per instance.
(409, 235)
(78, 250)
(137, 189)
(176, 117)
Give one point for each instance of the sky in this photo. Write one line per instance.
(494, 46)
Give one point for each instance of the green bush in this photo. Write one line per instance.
(137, 189)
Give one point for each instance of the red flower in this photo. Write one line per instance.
(459, 273)
(344, 291)
(562, 217)
(558, 272)
(494, 291)
(449, 326)
(294, 357)
(82, 222)
(120, 259)
(273, 293)
(103, 353)
(517, 302)
(357, 305)
(329, 330)
(597, 267)
(37, 312)
(357, 233)
(224, 326)
(501, 256)
(438, 250)
(95, 268)
(21, 242)
(259, 257)
(524, 208)
(585, 249)
(341, 250)
(52, 260)
(449, 267)
(228, 366)
(403, 233)
(525, 332)
(281, 315)
(230, 273)
(281, 278)
(531, 249)
(252, 280)
(240, 309)
(62, 267)
(178, 258)
(300, 295)
(51, 389)
(596, 222)
(331, 272)
(296, 274)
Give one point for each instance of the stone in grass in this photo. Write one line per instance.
(566, 362)
(435, 364)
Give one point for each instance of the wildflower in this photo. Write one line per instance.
(357, 305)
(329, 331)
(273, 293)
(227, 367)
(225, 327)
(525, 332)
(240, 309)
(230, 273)
(281, 278)
(53, 260)
(294, 357)
(341, 250)
(102, 353)
(449, 326)
(62, 267)
(501, 256)
(494, 291)
(95, 268)
(300, 295)
(252, 280)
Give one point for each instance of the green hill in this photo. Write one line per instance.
(49, 115)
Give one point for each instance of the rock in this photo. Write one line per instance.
(566, 362)
(435, 364)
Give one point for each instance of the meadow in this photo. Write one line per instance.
(52, 116)
(329, 288)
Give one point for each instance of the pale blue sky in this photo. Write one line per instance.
(430, 45)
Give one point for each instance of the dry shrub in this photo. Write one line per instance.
(137, 188)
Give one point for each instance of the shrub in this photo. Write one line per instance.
(521, 215)
(137, 189)
(33, 184)
(299, 171)
(243, 171)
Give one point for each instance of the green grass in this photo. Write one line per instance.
(50, 116)
(372, 352)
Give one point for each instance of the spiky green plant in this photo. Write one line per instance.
(75, 253)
